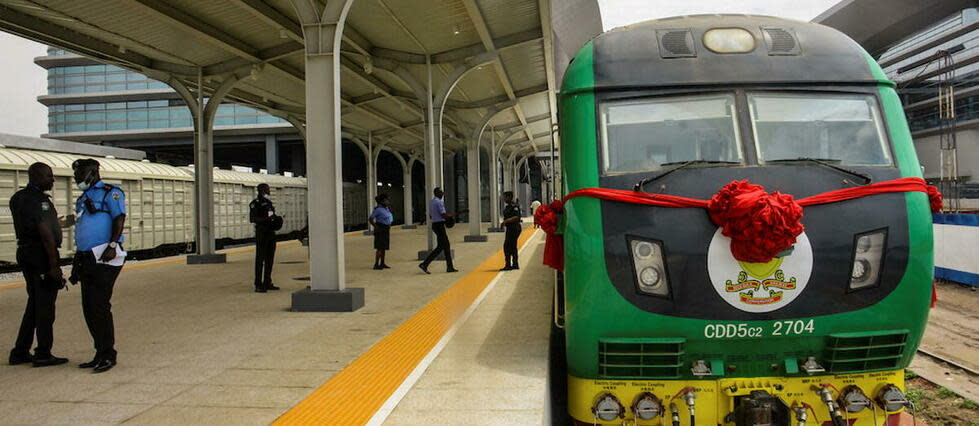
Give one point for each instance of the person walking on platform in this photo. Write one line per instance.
(511, 222)
(101, 211)
(38, 239)
(381, 219)
(533, 211)
(262, 214)
(438, 216)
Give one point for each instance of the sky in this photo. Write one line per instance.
(21, 81)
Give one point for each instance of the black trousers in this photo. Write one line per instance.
(38, 316)
(98, 280)
(442, 246)
(510, 245)
(264, 256)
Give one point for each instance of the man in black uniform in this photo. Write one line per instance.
(262, 214)
(511, 222)
(38, 238)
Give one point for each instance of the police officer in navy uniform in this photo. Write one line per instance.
(38, 238)
(511, 222)
(262, 214)
(101, 211)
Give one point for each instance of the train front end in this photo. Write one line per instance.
(663, 324)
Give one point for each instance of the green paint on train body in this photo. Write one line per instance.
(594, 309)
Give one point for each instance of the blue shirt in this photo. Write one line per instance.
(436, 210)
(382, 215)
(93, 229)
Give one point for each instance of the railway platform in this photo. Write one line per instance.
(198, 346)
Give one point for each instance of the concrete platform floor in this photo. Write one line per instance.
(494, 370)
(198, 346)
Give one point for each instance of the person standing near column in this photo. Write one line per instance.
(262, 214)
(381, 219)
(38, 238)
(511, 222)
(101, 211)
(438, 216)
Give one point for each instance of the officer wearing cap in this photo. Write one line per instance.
(38, 238)
(101, 211)
(262, 214)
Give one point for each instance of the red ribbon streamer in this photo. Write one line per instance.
(760, 224)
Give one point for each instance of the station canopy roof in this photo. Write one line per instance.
(261, 42)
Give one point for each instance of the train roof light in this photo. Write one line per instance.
(729, 40)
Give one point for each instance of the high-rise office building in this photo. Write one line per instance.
(97, 103)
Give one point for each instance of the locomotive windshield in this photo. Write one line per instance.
(836, 127)
(644, 135)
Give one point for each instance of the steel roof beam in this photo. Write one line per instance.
(34, 28)
(272, 16)
(506, 42)
(201, 29)
(210, 34)
(488, 102)
(530, 120)
(390, 122)
(484, 35)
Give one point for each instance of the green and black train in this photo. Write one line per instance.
(662, 324)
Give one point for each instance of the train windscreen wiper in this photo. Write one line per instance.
(679, 165)
(825, 162)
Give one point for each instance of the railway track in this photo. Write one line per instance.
(948, 373)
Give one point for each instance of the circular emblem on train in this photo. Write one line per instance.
(759, 287)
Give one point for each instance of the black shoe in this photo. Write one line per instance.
(260, 289)
(451, 270)
(90, 364)
(515, 267)
(49, 361)
(378, 267)
(271, 287)
(104, 365)
(424, 268)
(506, 268)
(383, 266)
(20, 358)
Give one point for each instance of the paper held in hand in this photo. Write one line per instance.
(116, 261)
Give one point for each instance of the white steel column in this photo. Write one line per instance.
(204, 185)
(204, 168)
(475, 203)
(322, 31)
(271, 154)
(432, 159)
(494, 186)
(407, 193)
(371, 174)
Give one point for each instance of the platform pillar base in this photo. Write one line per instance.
(409, 227)
(494, 229)
(207, 259)
(347, 300)
(475, 238)
(422, 254)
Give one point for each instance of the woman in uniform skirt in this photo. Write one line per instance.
(381, 219)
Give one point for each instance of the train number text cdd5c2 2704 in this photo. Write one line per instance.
(742, 330)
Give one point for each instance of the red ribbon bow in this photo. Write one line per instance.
(760, 224)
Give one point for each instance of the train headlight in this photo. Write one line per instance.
(729, 40)
(648, 267)
(868, 255)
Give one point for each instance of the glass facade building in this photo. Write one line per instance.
(128, 115)
(100, 103)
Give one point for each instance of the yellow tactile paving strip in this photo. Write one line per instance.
(355, 393)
